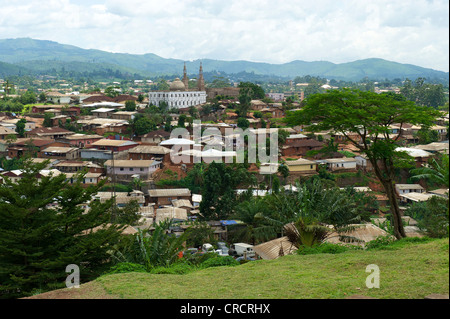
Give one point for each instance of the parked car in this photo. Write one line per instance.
(241, 249)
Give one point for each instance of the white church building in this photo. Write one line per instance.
(179, 94)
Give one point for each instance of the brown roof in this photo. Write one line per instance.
(124, 97)
(304, 143)
(147, 149)
(161, 133)
(35, 142)
(49, 131)
(98, 98)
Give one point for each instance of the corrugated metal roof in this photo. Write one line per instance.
(169, 192)
(271, 249)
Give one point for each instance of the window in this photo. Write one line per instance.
(131, 169)
(121, 168)
(141, 169)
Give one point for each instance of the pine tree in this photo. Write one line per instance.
(44, 227)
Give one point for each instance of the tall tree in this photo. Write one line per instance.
(45, 227)
(369, 116)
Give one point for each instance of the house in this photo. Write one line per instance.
(363, 232)
(163, 197)
(124, 115)
(274, 112)
(121, 198)
(103, 112)
(440, 192)
(409, 188)
(415, 197)
(435, 147)
(420, 156)
(149, 152)
(257, 105)
(58, 98)
(268, 168)
(80, 140)
(127, 169)
(76, 166)
(16, 175)
(335, 164)
(155, 137)
(300, 147)
(33, 146)
(183, 203)
(103, 125)
(363, 162)
(196, 200)
(113, 145)
(174, 213)
(54, 132)
(96, 154)
(88, 178)
(302, 166)
(59, 152)
(295, 137)
(6, 132)
(11, 124)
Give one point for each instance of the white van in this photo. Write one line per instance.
(241, 248)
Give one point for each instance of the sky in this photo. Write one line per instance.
(274, 31)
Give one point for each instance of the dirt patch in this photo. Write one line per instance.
(90, 290)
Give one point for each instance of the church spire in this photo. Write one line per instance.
(201, 81)
(185, 78)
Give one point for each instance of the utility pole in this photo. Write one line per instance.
(114, 207)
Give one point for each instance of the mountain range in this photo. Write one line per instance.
(24, 56)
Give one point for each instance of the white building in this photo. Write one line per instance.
(179, 95)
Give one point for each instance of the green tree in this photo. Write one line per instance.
(20, 127)
(45, 227)
(436, 171)
(368, 115)
(182, 120)
(142, 125)
(130, 106)
(254, 229)
(112, 91)
(47, 120)
(243, 123)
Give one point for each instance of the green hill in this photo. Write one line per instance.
(26, 52)
(410, 270)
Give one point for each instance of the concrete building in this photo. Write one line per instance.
(179, 94)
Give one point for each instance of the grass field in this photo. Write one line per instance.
(406, 271)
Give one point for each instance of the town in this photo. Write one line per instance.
(122, 144)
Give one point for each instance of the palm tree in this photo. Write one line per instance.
(310, 210)
(256, 229)
(436, 171)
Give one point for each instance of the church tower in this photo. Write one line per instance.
(201, 81)
(185, 78)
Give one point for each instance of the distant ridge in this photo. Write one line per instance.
(26, 55)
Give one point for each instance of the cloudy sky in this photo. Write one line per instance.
(274, 31)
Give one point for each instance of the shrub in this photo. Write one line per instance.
(324, 248)
(220, 261)
(175, 269)
(390, 243)
(126, 267)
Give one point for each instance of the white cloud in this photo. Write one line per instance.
(404, 31)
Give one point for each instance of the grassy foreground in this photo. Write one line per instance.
(408, 271)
